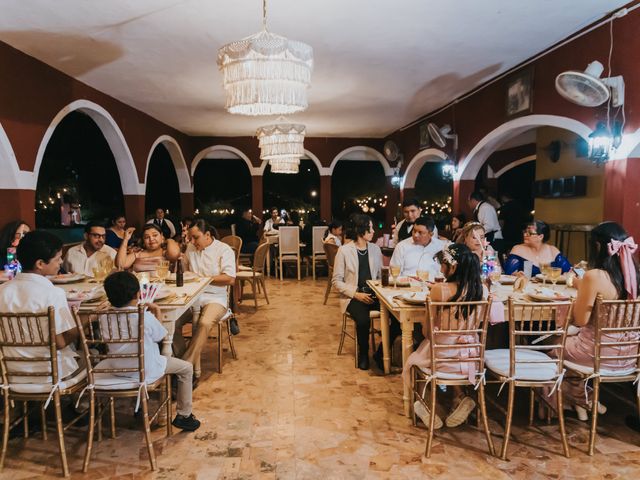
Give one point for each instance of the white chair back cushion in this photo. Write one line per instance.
(317, 239)
(289, 240)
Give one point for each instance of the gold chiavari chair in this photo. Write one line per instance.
(467, 321)
(111, 339)
(29, 366)
(617, 338)
(330, 251)
(534, 359)
(255, 275)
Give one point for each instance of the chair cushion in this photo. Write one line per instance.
(109, 381)
(374, 314)
(46, 387)
(244, 268)
(498, 362)
(588, 370)
(245, 274)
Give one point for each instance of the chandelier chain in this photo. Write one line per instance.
(264, 14)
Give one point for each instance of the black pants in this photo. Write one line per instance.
(360, 313)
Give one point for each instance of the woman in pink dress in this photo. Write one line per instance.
(614, 276)
(461, 268)
(155, 249)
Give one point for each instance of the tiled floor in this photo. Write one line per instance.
(290, 408)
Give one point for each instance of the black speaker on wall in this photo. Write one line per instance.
(565, 187)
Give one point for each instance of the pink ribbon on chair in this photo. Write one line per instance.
(625, 250)
(463, 353)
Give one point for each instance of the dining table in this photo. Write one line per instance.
(173, 305)
(408, 314)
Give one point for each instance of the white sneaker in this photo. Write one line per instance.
(423, 414)
(459, 414)
(583, 413)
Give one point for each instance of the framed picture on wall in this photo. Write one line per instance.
(424, 136)
(519, 93)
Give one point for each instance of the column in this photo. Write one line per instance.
(325, 198)
(186, 204)
(256, 195)
(134, 210)
(17, 205)
(461, 191)
(621, 196)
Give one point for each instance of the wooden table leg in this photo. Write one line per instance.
(407, 349)
(384, 333)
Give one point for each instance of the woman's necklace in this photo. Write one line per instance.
(362, 252)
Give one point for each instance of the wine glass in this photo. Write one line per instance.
(162, 270)
(554, 274)
(99, 273)
(494, 276)
(394, 270)
(423, 275)
(544, 269)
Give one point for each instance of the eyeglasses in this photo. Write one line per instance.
(98, 235)
(527, 233)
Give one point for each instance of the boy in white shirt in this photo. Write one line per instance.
(123, 291)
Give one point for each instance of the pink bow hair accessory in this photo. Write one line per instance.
(625, 251)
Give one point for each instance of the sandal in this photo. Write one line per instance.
(461, 412)
(423, 414)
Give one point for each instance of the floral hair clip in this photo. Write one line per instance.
(447, 256)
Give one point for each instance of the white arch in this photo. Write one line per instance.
(12, 177)
(512, 165)
(175, 152)
(225, 151)
(470, 166)
(112, 134)
(417, 162)
(630, 146)
(361, 153)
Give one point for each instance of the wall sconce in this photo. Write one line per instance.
(449, 169)
(395, 179)
(600, 144)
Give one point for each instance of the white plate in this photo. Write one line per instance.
(562, 279)
(66, 278)
(4, 278)
(162, 294)
(85, 295)
(507, 279)
(416, 298)
(546, 295)
(187, 276)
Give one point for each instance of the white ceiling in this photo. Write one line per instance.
(379, 64)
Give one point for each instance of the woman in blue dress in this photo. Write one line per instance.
(536, 250)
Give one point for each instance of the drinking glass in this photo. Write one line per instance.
(99, 273)
(544, 269)
(394, 270)
(554, 274)
(162, 271)
(494, 276)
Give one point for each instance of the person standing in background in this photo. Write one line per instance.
(165, 225)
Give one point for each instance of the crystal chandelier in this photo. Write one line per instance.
(282, 145)
(266, 74)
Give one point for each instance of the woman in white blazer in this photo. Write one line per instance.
(355, 263)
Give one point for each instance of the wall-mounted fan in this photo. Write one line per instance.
(391, 151)
(587, 89)
(440, 135)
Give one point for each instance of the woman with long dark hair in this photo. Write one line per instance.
(536, 250)
(614, 275)
(461, 268)
(10, 237)
(355, 263)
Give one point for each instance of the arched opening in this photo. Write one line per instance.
(293, 192)
(221, 185)
(162, 188)
(77, 176)
(366, 195)
(434, 193)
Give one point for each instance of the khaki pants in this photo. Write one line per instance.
(184, 372)
(209, 316)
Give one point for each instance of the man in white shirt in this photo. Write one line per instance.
(484, 213)
(273, 220)
(416, 253)
(40, 254)
(91, 253)
(166, 225)
(207, 257)
(123, 291)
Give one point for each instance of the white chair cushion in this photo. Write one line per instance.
(587, 370)
(106, 381)
(374, 314)
(46, 387)
(243, 268)
(444, 375)
(498, 362)
(245, 274)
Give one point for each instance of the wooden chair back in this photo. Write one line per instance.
(289, 243)
(34, 335)
(330, 250)
(617, 331)
(233, 241)
(467, 321)
(537, 326)
(114, 334)
(259, 257)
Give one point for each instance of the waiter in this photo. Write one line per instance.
(166, 225)
(411, 211)
(484, 213)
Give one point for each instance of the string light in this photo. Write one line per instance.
(369, 204)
